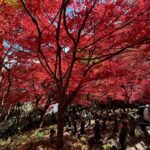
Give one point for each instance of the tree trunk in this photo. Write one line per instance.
(8, 113)
(41, 121)
(60, 127)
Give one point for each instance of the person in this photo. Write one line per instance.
(140, 111)
(83, 115)
(146, 122)
(132, 125)
(52, 135)
(90, 116)
(74, 127)
(82, 128)
(97, 133)
(115, 127)
(144, 113)
(147, 113)
(123, 135)
(119, 113)
(104, 121)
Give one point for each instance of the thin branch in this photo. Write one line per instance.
(39, 39)
(122, 26)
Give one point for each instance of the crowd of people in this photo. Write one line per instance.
(123, 124)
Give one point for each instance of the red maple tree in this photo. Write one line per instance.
(71, 40)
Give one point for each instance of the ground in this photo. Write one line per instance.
(39, 140)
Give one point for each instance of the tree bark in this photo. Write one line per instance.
(42, 115)
(60, 128)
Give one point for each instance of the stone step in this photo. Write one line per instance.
(138, 146)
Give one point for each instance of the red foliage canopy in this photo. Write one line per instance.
(71, 40)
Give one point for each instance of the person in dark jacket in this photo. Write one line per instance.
(123, 135)
(97, 132)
